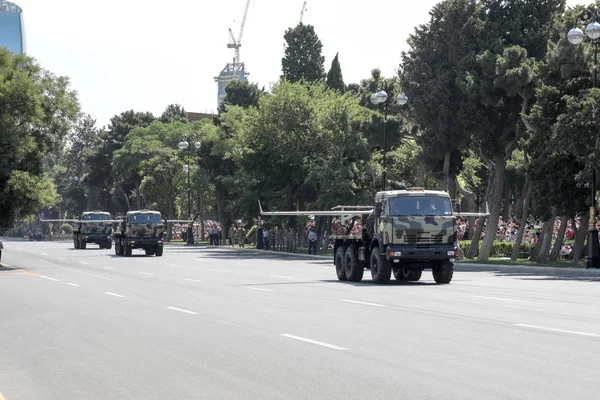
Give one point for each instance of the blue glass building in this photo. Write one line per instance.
(12, 33)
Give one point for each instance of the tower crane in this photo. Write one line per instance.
(302, 12)
(236, 44)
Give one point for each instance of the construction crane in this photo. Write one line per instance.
(236, 44)
(302, 12)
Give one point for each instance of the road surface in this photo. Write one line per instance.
(221, 324)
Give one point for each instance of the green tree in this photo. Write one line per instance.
(243, 94)
(439, 53)
(174, 112)
(303, 59)
(102, 176)
(501, 83)
(37, 110)
(334, 76)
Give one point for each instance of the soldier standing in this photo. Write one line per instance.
(232, 235)
(241, 235)
(279, 239)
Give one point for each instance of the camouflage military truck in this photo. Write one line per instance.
(406, 232)
(93, 227)
(140, 230)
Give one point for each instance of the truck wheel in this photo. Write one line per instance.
(159, 251)
(149, 252)
(109, 244)
(381, 271)
(339, 263)
(82, 244)
(443, 273)
(406, 274)
(128, 250)
(353, 268)
(117, 247)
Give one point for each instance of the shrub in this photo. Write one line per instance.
(499, 249)
(67, 228)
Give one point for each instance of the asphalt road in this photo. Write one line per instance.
(222, 324)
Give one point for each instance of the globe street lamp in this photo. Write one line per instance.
(184, 145)
(381, 97)
(576, 36)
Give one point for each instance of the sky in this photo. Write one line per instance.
(143, 55)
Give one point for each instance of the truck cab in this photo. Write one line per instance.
(93, 227)
(142, 229)
(415, 229)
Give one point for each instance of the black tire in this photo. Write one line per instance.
(381, 270)
(76, 242)
(83, 244)
(405, 274)
(128, 250)
(109, 245)
(149, 252)
(443, 273)
(159, 251)
(353, 268)
(117, 247)
(339, 263)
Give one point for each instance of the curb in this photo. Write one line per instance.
(541, 270)
(279, 253)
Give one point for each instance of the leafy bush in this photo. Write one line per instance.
(67, 228)
(500, 249)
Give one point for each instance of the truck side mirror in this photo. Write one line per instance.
(377, 210)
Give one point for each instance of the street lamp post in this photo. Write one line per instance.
(185, 145)
(381, 97)
(576, 36)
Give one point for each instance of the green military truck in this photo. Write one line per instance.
(140, 230)
(93, 227)
(406, 232)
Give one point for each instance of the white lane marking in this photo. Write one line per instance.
(330, 346)
(501, 299)
(222, 270)
(363, 303)
(243, 265)
(281, 277)
(77, 271)
(47, 277)
(143, 261)
(177, 266)
(558, 330)
(192, 280)
(260, 289)
(111, 268)
(83, 262)
(113, 294)
(473, 284)
(182, 310)
(72, 284)
(62, 258)
(146, 273)
(44, 254)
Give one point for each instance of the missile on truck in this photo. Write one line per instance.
(404, 233)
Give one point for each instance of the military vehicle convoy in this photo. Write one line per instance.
(93, 227)
(140, 230)
(406, 232)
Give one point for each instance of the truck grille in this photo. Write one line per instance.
(422, 238)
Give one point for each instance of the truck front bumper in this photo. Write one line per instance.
(421, 253)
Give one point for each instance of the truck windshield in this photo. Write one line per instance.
(145, 219)
(96, 217)
(420, 205)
